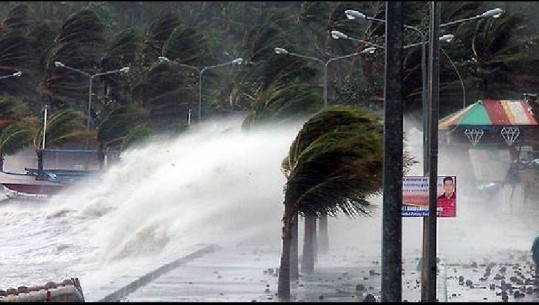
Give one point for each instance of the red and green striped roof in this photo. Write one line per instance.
(489, 113)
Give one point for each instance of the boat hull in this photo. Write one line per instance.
(23, 184)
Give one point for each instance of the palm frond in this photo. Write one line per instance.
(18, 135)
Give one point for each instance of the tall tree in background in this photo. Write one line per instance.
(489, 54)
(16, 53)
(79, 45)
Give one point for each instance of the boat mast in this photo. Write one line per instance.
(44, 127)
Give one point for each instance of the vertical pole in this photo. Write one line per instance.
(44, 126)
(325, 93)
(393, 153)
(426, 111)
(434, 90)
(88, 115)
(200, 95)
(323, 236)
(89, 105)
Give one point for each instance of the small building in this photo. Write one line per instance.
(498, 136)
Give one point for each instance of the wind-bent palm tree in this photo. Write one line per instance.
(334, 163)
(122, 126)
(12, 110)
(62, 127)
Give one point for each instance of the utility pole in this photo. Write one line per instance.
(393, 154)
(433, 98)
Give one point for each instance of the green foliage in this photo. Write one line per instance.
(335, 162)
(18, 135)
(63, 126)
(498, 48)
(84, 27)
(119, 123)
(136, 136)
(78, 45)
(41, 37)
(12, 107)
(188, 45)
(18, 17)
(167, 97)
(495, 57)
(157, 34)
(125, 50)
(284, 103)
(14, 56)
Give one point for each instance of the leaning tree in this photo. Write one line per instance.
(333, 165)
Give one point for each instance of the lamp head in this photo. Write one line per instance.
(494, 13)
(352, 14)
(59, 64)
(18, 73)
(124, 69)
(337, 35)
(447, 37)
(163, 59)
(280, 51)
(369, 50)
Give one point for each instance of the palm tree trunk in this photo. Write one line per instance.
(1, 160)
(323, 239)
(307, 263)
(294, 262)
(101, 155)
(283, 282)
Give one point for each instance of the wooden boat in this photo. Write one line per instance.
(57, 168)
(46, 182)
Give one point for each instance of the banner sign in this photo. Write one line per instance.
(415, 196)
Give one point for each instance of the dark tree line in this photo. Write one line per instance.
(494, 57)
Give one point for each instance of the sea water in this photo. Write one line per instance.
(213, 184)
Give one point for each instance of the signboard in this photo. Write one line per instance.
(415, 196)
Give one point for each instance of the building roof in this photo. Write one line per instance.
(490, 113)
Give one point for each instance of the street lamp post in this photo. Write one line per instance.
(197, 69)
(493, 13)
(423, 43)
(460, 78)
(341, 35)
(429, 227)
(237, 61)
(91, 78)
(325, 64)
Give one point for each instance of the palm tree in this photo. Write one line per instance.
(334, 163)
(120, 126)
(12, 110)
(284, 103)
(294, 270)
(158, 33)
(79, 44)
(63, 126)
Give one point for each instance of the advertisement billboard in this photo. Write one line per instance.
(415, 196)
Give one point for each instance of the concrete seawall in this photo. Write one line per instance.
(68, 290)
